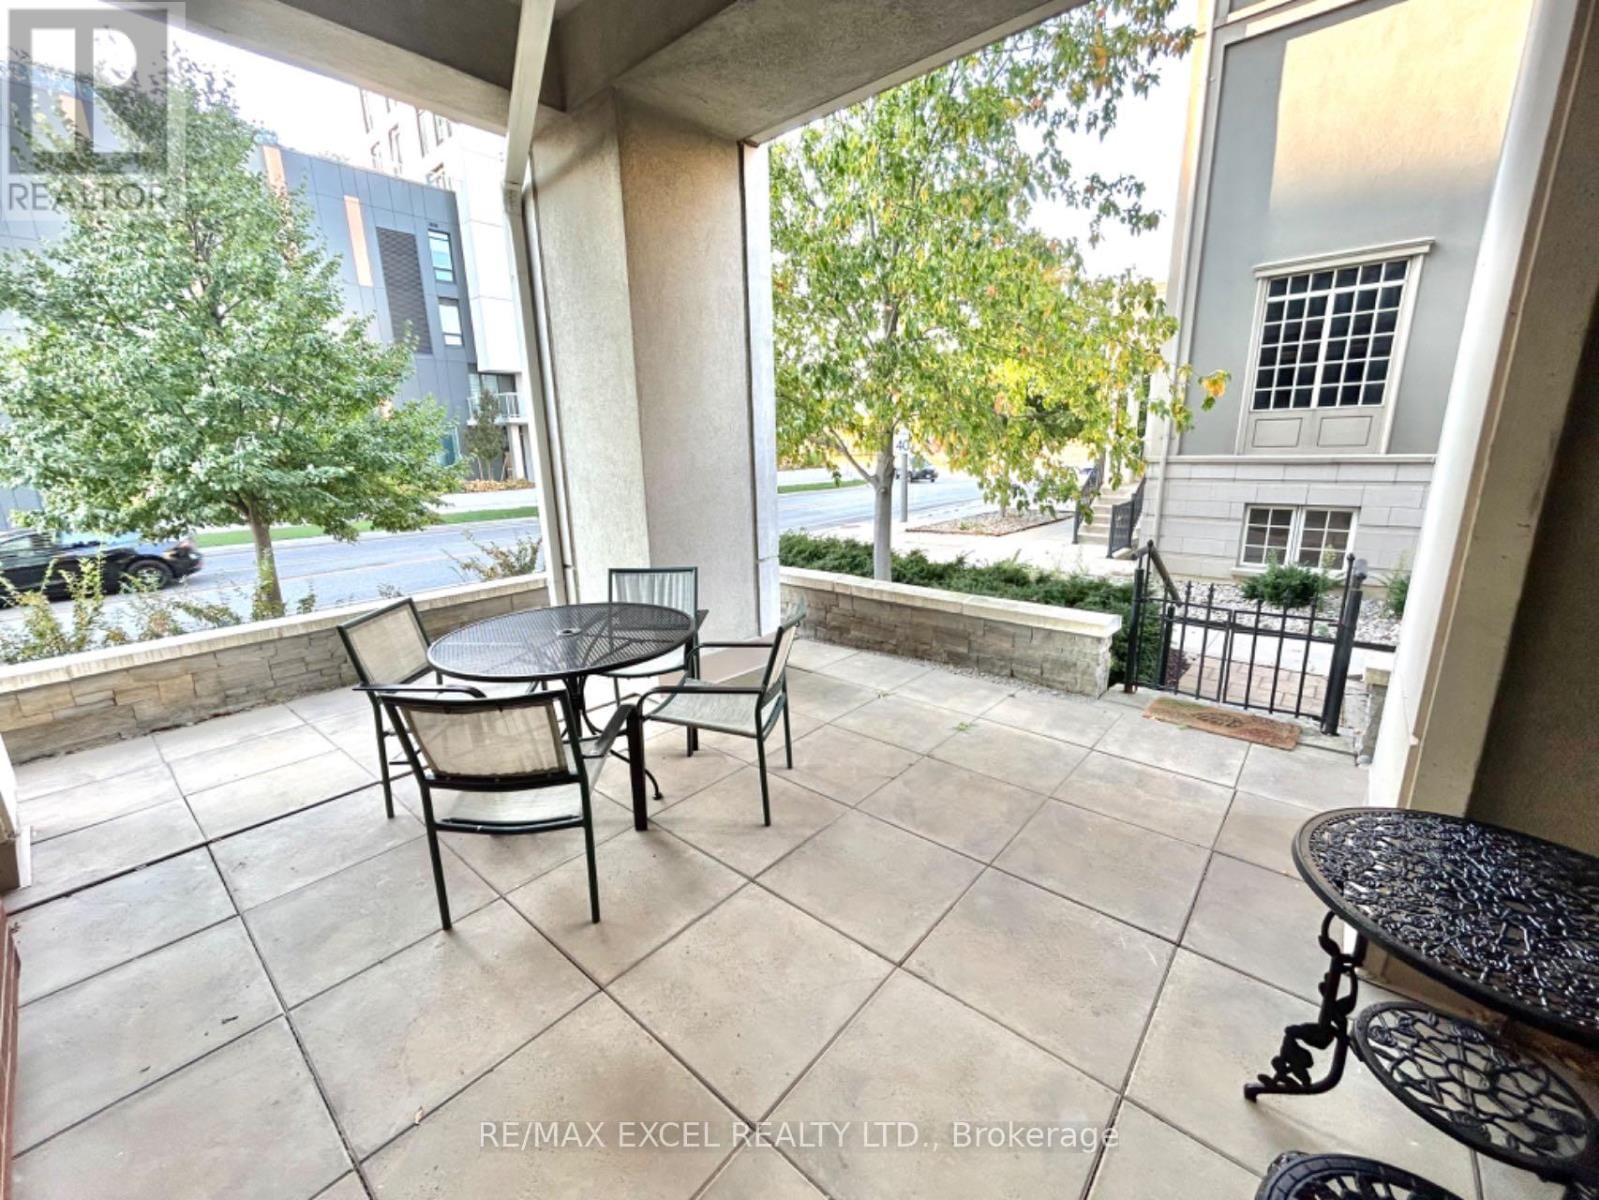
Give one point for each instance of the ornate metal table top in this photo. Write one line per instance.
(551, 643)
(1509, 920)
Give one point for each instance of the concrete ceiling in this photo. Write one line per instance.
(745, 69)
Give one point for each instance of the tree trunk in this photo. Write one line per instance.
(882, 524)
(268, 592)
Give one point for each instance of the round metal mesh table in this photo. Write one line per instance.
(570, 641)
(1506, 919)
(1344, 1177)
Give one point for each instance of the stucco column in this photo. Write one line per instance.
(653, 245)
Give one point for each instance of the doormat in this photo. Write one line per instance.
(1246, 727)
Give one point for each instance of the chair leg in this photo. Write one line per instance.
(433, 853)
(693, 740)
(594, 878)
(766, 798)
(788, 737)
(383, 760)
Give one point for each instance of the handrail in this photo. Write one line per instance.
(1123, 520)
(1086, 495)
(1153, 555)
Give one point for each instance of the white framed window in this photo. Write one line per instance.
(450, 322)
(441, 255)
(438, 177)
(1306, 537)
(1330, 335)
(396, 147)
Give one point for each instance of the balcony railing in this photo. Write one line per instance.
(510, 406)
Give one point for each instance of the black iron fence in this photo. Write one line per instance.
(1293, 662)
(1123, 520)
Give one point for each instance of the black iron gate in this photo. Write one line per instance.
(1182, 639)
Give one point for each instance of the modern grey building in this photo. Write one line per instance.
(1341, 155)
(400, 248)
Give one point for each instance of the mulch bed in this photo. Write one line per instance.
(988, 524)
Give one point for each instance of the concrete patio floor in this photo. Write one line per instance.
(976, 903)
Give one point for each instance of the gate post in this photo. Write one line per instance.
(1343, 647)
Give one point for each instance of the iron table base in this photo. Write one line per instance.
(1343, 1177)
(1291, 1068)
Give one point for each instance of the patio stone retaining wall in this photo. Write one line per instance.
(81, 700)
(1063, 648)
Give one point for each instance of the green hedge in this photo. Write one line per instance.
(1009, 580)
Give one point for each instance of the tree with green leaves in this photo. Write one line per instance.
(912, 296)
(188, 362)
(485, 436)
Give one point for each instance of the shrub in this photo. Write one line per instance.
(1284, 585)
(1398, 591)
(496, 485)
(1010, 580)
(494, 561)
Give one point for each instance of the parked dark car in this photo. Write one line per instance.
(31, 559)
(923, 475)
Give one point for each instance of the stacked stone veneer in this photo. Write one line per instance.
(82, 700)
(1063, 648)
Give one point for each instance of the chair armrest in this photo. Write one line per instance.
(753, 645)
(703, 689)
(382, 690)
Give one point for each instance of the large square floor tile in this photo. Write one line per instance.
(878, 884)
(98, 1041)
(1133, 874)
(197, 772)
(81, 935)
(280, 856)
(216, 1128)
(86, 804)
(1179, 806)
(1260, 922)
(110, 762)
(230, 807)
(595, 1067)
(760, 1173)
(402, 1037)
(220, 736)
(903, 723)
(931, 1062)
(748, 996)
(963, 693)
(1214, 1030)
(1069, 718)
(1070, 979)
(1261, 830)
(679, 773)
(845, 765)
(885, 672)
(1024, 759)
(338, 704)
(975, 814)
(824, 697)
(1186, 751)
(98, 852)
(1152, 1161)
(1304, 775)
(811, 655)
(651, 885)
(724, 820)
(321, 934)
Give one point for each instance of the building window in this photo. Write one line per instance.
(441, 129)
(450, 322)
(1307, 537)
(1327, 336)
(443, 259)
(377, 156)
(396, 147)
(438, 177)
(366, 110)
(424, 127)
(449, 449)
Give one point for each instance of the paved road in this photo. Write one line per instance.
(341, 572)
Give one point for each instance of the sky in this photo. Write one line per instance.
(318, 115)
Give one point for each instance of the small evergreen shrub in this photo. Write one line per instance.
(1398, 591)
(1284, 585)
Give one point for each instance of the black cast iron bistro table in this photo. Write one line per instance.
(1504, 919)
(567, 643)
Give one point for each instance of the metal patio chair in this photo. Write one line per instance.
(747, 710)
(670, 587)
(389, 648)
(504, 765)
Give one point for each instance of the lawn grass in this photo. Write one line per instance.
(826, 485)
(288, 533)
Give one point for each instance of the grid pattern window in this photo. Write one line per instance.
(450, 322)
(1306, 537)
(443, 258)
(1267, 534)
(1327, 337)
(1324, 536)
